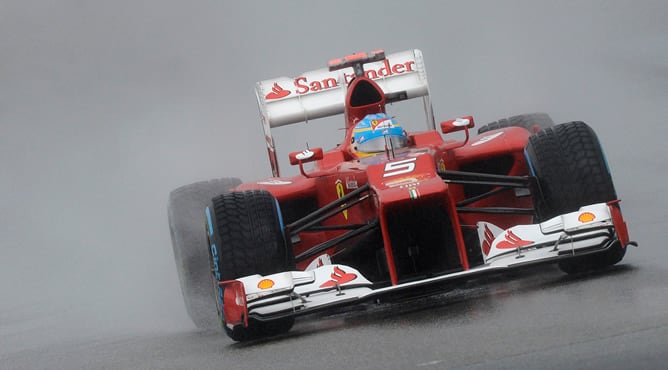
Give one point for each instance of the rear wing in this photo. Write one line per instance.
(321, 93)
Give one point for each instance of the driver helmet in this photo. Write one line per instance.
(370, 134)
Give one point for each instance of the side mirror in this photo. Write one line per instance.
(453, 125)
(305, 156)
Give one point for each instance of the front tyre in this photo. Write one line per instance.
(571, 169)
(532, 122)
(245, 232)
(184, 209)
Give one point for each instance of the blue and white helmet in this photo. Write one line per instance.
(370, 135)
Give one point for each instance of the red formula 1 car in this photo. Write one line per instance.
(388, 211)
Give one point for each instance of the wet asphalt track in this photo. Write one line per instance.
(105, 109)
(535, 319)
(538, 318)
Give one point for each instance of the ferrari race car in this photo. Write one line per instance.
(387, 211)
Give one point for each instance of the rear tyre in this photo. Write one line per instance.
(572, 171)
(185, 209)
(533, 122)
(246, 233)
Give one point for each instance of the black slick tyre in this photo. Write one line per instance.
(533, 122)
(571, 169)
(185, 210)
(246, 238)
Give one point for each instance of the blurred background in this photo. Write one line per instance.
(105, 107)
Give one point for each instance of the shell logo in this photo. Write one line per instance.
(586, 217)
(265, 284)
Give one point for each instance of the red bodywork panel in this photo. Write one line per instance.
(399, 182)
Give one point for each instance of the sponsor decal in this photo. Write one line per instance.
(461, 122)
(275, 182)
(216, 272)
(489, 239)
(487, 139)
(277, 92)
(406, 181)
(441, 165)
(512, 241)
(339, 277)
(306, 154)
(302, 84)
(381, 123)
(340, 193)
(586, 217)
(351, 184)
(403, 182)
(320, 261)
(265, 284)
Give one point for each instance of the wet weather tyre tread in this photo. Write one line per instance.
(530, 121)
(249, 240)
(185, 210)
(572, 171)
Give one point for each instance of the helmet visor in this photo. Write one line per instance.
(377, 144)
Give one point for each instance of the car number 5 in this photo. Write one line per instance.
(399, 167)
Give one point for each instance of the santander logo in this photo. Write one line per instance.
(512, 241)
(277, 92)
(339, 277)
(302, 84)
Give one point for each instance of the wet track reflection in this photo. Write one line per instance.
(535, 317)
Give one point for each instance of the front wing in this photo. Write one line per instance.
(593, 229)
